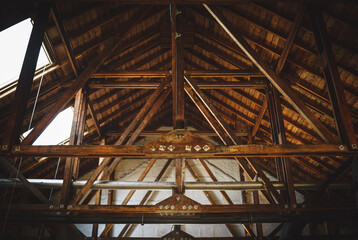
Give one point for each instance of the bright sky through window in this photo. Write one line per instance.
(13, 44)
(58, 131)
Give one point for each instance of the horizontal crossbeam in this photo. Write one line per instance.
(134, 151)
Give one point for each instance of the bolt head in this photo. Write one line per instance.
(354, 146)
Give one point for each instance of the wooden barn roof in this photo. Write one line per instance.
(122, 52)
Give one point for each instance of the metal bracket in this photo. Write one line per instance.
(177, 35)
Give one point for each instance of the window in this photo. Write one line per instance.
(58, 131)
(13, 44)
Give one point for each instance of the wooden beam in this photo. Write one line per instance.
(19, 103)
(284, 89)
(334, 83)
(72, 164)
(225, 195)
(154, 85)
(108, 227)
(5, 164)
(120, 141)
(63, 35)
(91, 68)
(156, 133)
(234, 140)
(291, 37)
(259, 118)
(177, 44)
(94, 118)
(147, 195)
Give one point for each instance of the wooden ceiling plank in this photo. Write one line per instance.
(334, 83)
(23, 89)
(284, 89)
(81, 81)
(65, 40)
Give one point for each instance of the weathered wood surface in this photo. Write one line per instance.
(133, 151)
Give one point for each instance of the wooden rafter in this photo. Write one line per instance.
(284, 89)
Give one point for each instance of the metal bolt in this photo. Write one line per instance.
(172, 207)
(286, 206)
(166, 207)
(184, 207)
(58, 213)
(341, 147)
(51, 207)
(17, 148)
(69, 206)
(196, 206)
(190, 207)
(178, 199)
(62, 206)
(354, 146)
(67, 213)
(161, 207)
(4, 147)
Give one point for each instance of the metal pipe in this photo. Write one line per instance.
(117, 185)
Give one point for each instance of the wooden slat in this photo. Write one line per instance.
(283, 87)
(259, 118)
(19, 103)
(94, 118)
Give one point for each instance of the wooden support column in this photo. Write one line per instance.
(98, 196)
(94, 118)
(283, 165)
(334, 84)
(179, 175)
(72, 164)
(177, 67)
(19, 104)
(281, 85)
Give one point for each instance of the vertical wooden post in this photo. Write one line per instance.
(283, 165)
(23, 89)
(72, 164)
(334, 84)
(98, 196)
(179, 175)
(177, 68)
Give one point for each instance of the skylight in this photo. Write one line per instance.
(13, 44)
(58, 131)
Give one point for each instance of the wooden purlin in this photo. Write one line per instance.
(83, 77)
(284, 89)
